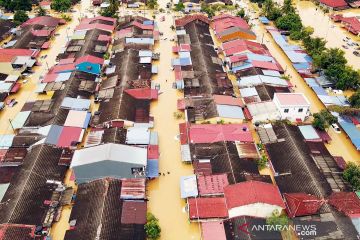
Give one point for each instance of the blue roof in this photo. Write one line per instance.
(311, 82)
(6, 140)
(54, 134)
(148, 22)
(76, 103)
(188, 186)
(319, 90)
(259, 57)
(87, 120)
(152, 168)
(264, 20)
(351, 130)
(308, 132)
(88, 67)
(300, 66)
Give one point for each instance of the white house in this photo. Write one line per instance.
(292, 106)
(253, 198)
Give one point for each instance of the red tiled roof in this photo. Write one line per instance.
(18, 52)
(62, 68)
(66, 61)
(50, 77)
(340, 162)
(210, 133)
(212, 184)
(90, 20)
(142, 26)
(104, 38)
(123, 32)
(204, 208)
(334, 3)
(133, 212)
(47, 21)
(213, 230)
(302, 204)
(181, 48)
(68, 136)
(6, 58)
(87, 26)
(325, 137)
(89, 58)
(143, 93)
(220, 25)
(183, 127)
(266, 65)
(291, 99)
(21, 231)
(251, 192)
(153, 152)
(346, 202)
(181, 104)
(181, 22)
(228, 100)
(238, 58)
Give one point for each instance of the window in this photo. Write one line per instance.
(286, 110)
(301, 110)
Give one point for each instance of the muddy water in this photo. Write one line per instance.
(340, 145)
(332, 32)
(164, 192)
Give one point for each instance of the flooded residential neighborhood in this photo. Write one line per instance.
(212, 120)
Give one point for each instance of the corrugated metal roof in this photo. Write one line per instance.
(76, 103)
(3, 189)
(6, 140)
(309, 132)
(351, 130)
(212, 184)
(133, 188)
(54, 134)
(20, 119)
(227, 111)
(248, 92)
(213, 230)
(271, 73)
(188, 186)
(138, 135)
(133, 212)
(69, 136)
(152, 168)
(77, 119)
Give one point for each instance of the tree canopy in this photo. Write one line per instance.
(152, 227)
(152, 4)
(20, 16)
(323, 120)
(276, 219)
(61, 5)
(355, 99)
(352, 175)
(13, 5)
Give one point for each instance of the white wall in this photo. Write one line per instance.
(262, 210)
(293, 111)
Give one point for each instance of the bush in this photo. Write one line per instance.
(179, 7)
(323, 120)
(61, 5)
(241, 13)
(152, 227)
(277, 219)
(66, 17)
(15, 5)
(20, 17)
(262, 162)
(352, 175)
(355, 99)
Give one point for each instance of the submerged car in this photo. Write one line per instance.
(336, 127)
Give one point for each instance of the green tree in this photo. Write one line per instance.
(330, 57)
(61, 5)
(20, 16)
(270, 10)
(288, 7)
(348, 79)
(323, 120)
(111, 10)
(40, 11)
(355, 99)
(241, 13)
(289, 22)
(352, 175)
(13, 5)
(262, 162)
(314, 46)
(152, 4)
(179, 7)
(208, 10)
(276, 219)
(152, 227)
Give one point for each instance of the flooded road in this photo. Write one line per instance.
(340, 145)
(324, 27)
(164, 192)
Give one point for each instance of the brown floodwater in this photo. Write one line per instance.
(324, 27)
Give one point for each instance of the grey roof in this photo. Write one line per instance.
(76, 103)
(227, 111)
(110, 152)
(138, 135)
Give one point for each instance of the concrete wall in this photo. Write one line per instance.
(261, 210)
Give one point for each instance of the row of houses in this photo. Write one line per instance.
(20, 51)
(227, 194)
(110, 151)
(320, 85)
(351, 24)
